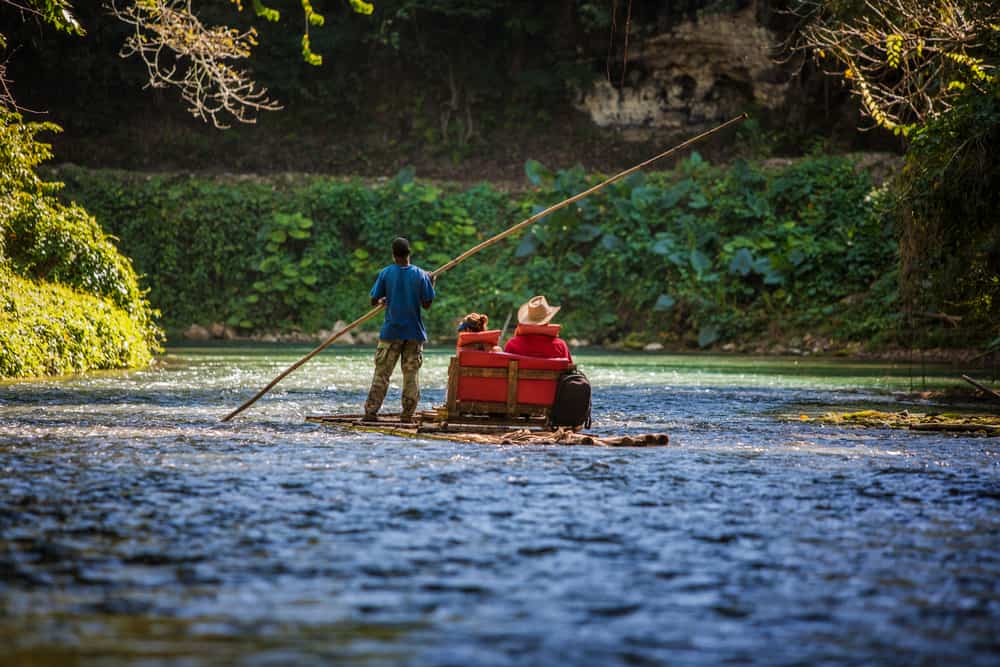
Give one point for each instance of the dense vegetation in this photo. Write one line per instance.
(69, 301)
(928, 71)
(699, 255)
(948, 202)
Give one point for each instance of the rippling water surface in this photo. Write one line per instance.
(135, 528)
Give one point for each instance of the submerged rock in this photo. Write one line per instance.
(196, 332)
(345, 339)
(366, 337)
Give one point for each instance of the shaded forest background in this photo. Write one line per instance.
(460, 90)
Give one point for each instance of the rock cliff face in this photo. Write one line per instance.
(698, 73)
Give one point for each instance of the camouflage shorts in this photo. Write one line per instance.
(410, 354)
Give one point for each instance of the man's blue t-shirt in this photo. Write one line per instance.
(405, 288)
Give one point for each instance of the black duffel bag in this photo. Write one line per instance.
(572, 404)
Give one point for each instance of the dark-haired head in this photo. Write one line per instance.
(400, 247)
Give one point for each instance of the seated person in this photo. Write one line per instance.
(535, 336)
(473, 335)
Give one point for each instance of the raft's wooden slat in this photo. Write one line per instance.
(497, 373)
(488, 434)
(512, 388)
(495, 408)
(452, 384)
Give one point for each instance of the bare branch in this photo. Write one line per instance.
(179, 51)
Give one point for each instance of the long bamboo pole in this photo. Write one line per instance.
(485, 244)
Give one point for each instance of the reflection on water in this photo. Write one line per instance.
(135, 528)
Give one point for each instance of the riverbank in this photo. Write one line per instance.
(794, 346)
(701, 256)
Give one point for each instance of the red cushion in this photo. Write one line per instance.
(529, 392)
(481, 359)
(491, 337)
(551, 330)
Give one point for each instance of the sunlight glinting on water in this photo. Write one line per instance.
(135, 524)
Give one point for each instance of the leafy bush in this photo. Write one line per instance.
(48, 329)
(712, 253)
(699, 255)
(51, 243)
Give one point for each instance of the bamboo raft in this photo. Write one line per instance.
(485, 430)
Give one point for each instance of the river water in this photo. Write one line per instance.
(136, 529)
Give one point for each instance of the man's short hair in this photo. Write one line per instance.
(400, 247)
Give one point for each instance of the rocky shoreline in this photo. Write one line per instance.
(794, 346)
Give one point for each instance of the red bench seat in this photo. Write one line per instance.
(499, 383)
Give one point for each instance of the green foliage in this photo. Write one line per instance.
(287, 277)
(701, 254)
(947, 201)
(48, 329)
(716, 254)
(56, 13)
(51, 243)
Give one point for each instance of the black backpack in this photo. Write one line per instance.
(572, 404)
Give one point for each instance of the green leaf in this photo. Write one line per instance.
(663, 246)
(699, 260)
(707, 335)
(586, 233)
(676, 193)
(762, 265)
(774, 278)
(664, 302)
(298, 233)
(278, 236)
(698, 201)
(405, 175)
(611, 242)
(742, 262)
(361, 253)
(429, 195)
(757, 204)
(527, 247)
(537, 173)
(644, 196)
(265, 12)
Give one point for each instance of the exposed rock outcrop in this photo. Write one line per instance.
(698, 73)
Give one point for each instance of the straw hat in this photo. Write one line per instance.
(536, 311)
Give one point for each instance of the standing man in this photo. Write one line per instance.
(403, 288)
